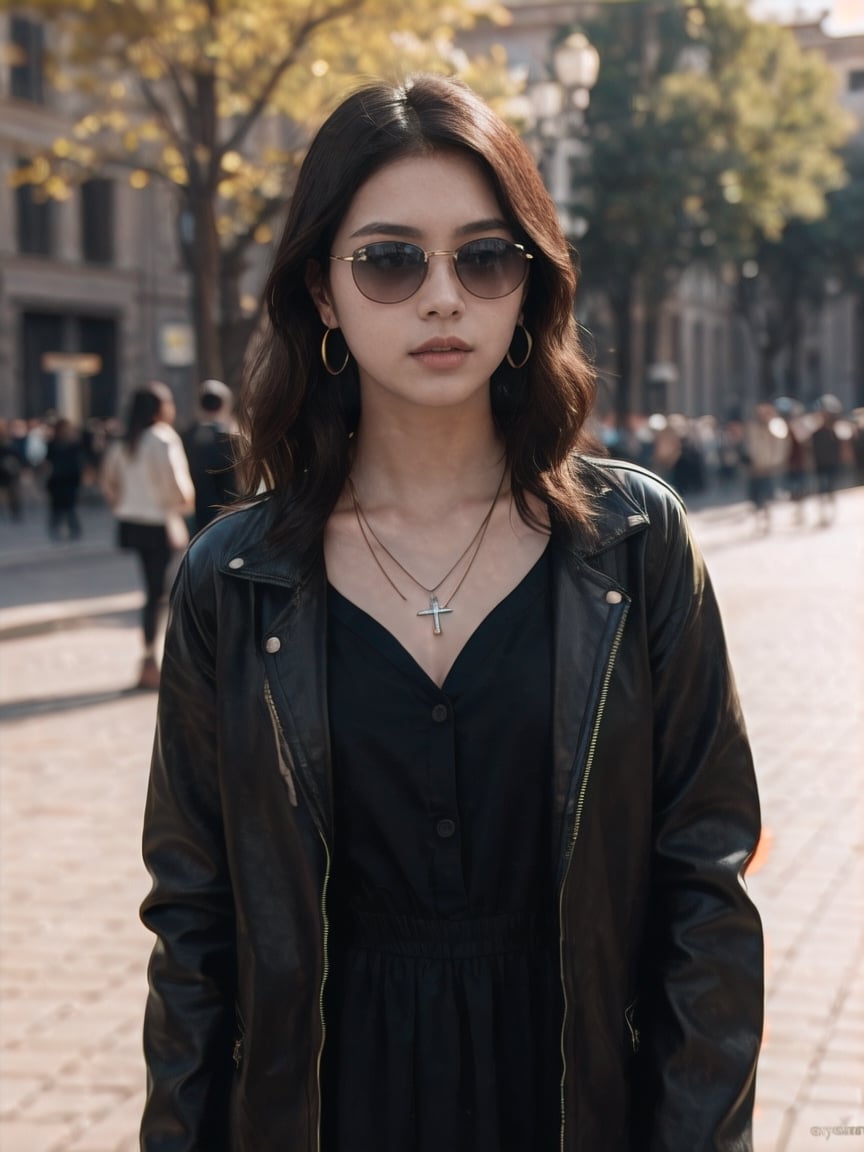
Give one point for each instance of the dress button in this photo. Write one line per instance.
(445, 828)
(614, 597)
(272, 644)
(237, 562)
(440, 713)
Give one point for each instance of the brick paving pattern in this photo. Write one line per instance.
(74, 747)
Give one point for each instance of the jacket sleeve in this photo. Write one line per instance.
(189, 1015)
(703, 1004)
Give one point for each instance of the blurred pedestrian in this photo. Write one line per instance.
(729, 449)
(858, 444)
(451, 796)
(64, 465)
(826, 463)
(799, 462)
(210, 450)
(147, 484)
(666, 444)
(765, 450)
(94, 441)
(11, 465)
(688, 471)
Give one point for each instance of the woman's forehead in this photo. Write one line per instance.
(442, 190)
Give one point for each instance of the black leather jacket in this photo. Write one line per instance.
(655, 817)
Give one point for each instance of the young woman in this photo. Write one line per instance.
(147, 484)
(451, 796)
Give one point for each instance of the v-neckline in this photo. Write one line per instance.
(379, 635)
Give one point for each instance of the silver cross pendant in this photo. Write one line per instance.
(436, 612)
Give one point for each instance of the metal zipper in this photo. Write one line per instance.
(288, 776)
(281, 743)
(577, 821)
(629, 1016)
(237, 1049)
(324, 974)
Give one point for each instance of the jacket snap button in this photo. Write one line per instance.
(445, 828)
(237, 562)
(272, 644)
(439, 713)
(614, 597)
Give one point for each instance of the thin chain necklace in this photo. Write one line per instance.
(435, 609)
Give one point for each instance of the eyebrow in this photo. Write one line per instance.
(379, 227)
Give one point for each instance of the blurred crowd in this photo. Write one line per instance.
(784, 449)
(65, 462)
(53, 453)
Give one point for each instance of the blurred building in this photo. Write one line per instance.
(93, 300)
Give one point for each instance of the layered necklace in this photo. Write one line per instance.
(435, 610)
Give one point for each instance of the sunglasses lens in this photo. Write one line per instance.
(389, 271)
(491, 267)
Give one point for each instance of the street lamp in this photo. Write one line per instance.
(558, 103)
(576, 64)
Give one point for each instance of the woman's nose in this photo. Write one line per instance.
(441, 290)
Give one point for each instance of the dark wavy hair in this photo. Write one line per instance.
(297, 421)
(145, 404)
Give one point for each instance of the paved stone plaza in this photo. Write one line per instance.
(74, 749)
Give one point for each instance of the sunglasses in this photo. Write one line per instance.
(390, 271)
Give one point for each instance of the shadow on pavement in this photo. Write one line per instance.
(91, 619)
(52, 705)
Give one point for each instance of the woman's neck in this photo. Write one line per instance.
(443, 463)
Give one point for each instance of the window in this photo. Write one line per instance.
(35, 220)
(856, 80)
(27, 75)
(97, 221)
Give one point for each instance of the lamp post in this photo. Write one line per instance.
(558, 103)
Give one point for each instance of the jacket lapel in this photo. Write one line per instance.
(297, 675)
(589, 607)
(291, 628)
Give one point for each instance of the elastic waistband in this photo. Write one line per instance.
(446, 939)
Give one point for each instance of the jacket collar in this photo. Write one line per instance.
(615, 511)
(616, 514)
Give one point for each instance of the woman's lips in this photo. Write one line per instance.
(444, 353)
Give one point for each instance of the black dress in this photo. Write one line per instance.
(443, 1002)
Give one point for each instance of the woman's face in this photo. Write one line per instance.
(439, 347)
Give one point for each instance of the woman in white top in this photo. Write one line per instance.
(146, 482)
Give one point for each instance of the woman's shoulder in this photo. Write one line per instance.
(234, 532)
(162, 434)
(614, 484)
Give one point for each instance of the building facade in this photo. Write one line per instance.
(93, 301)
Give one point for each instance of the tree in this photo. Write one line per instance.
(218, 99)
(707, 132)
(805, 265)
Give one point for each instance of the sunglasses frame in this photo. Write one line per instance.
(358, 256)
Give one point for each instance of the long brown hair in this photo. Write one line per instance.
(297, 420)
(145, 405)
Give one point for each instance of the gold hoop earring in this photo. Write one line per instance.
(527, 355)
(333, 371)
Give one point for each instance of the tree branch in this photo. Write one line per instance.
(261, 101)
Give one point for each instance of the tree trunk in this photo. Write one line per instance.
(205, 280)
(621, 305)
(767, 352)
(206, 253)
(793, 368)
